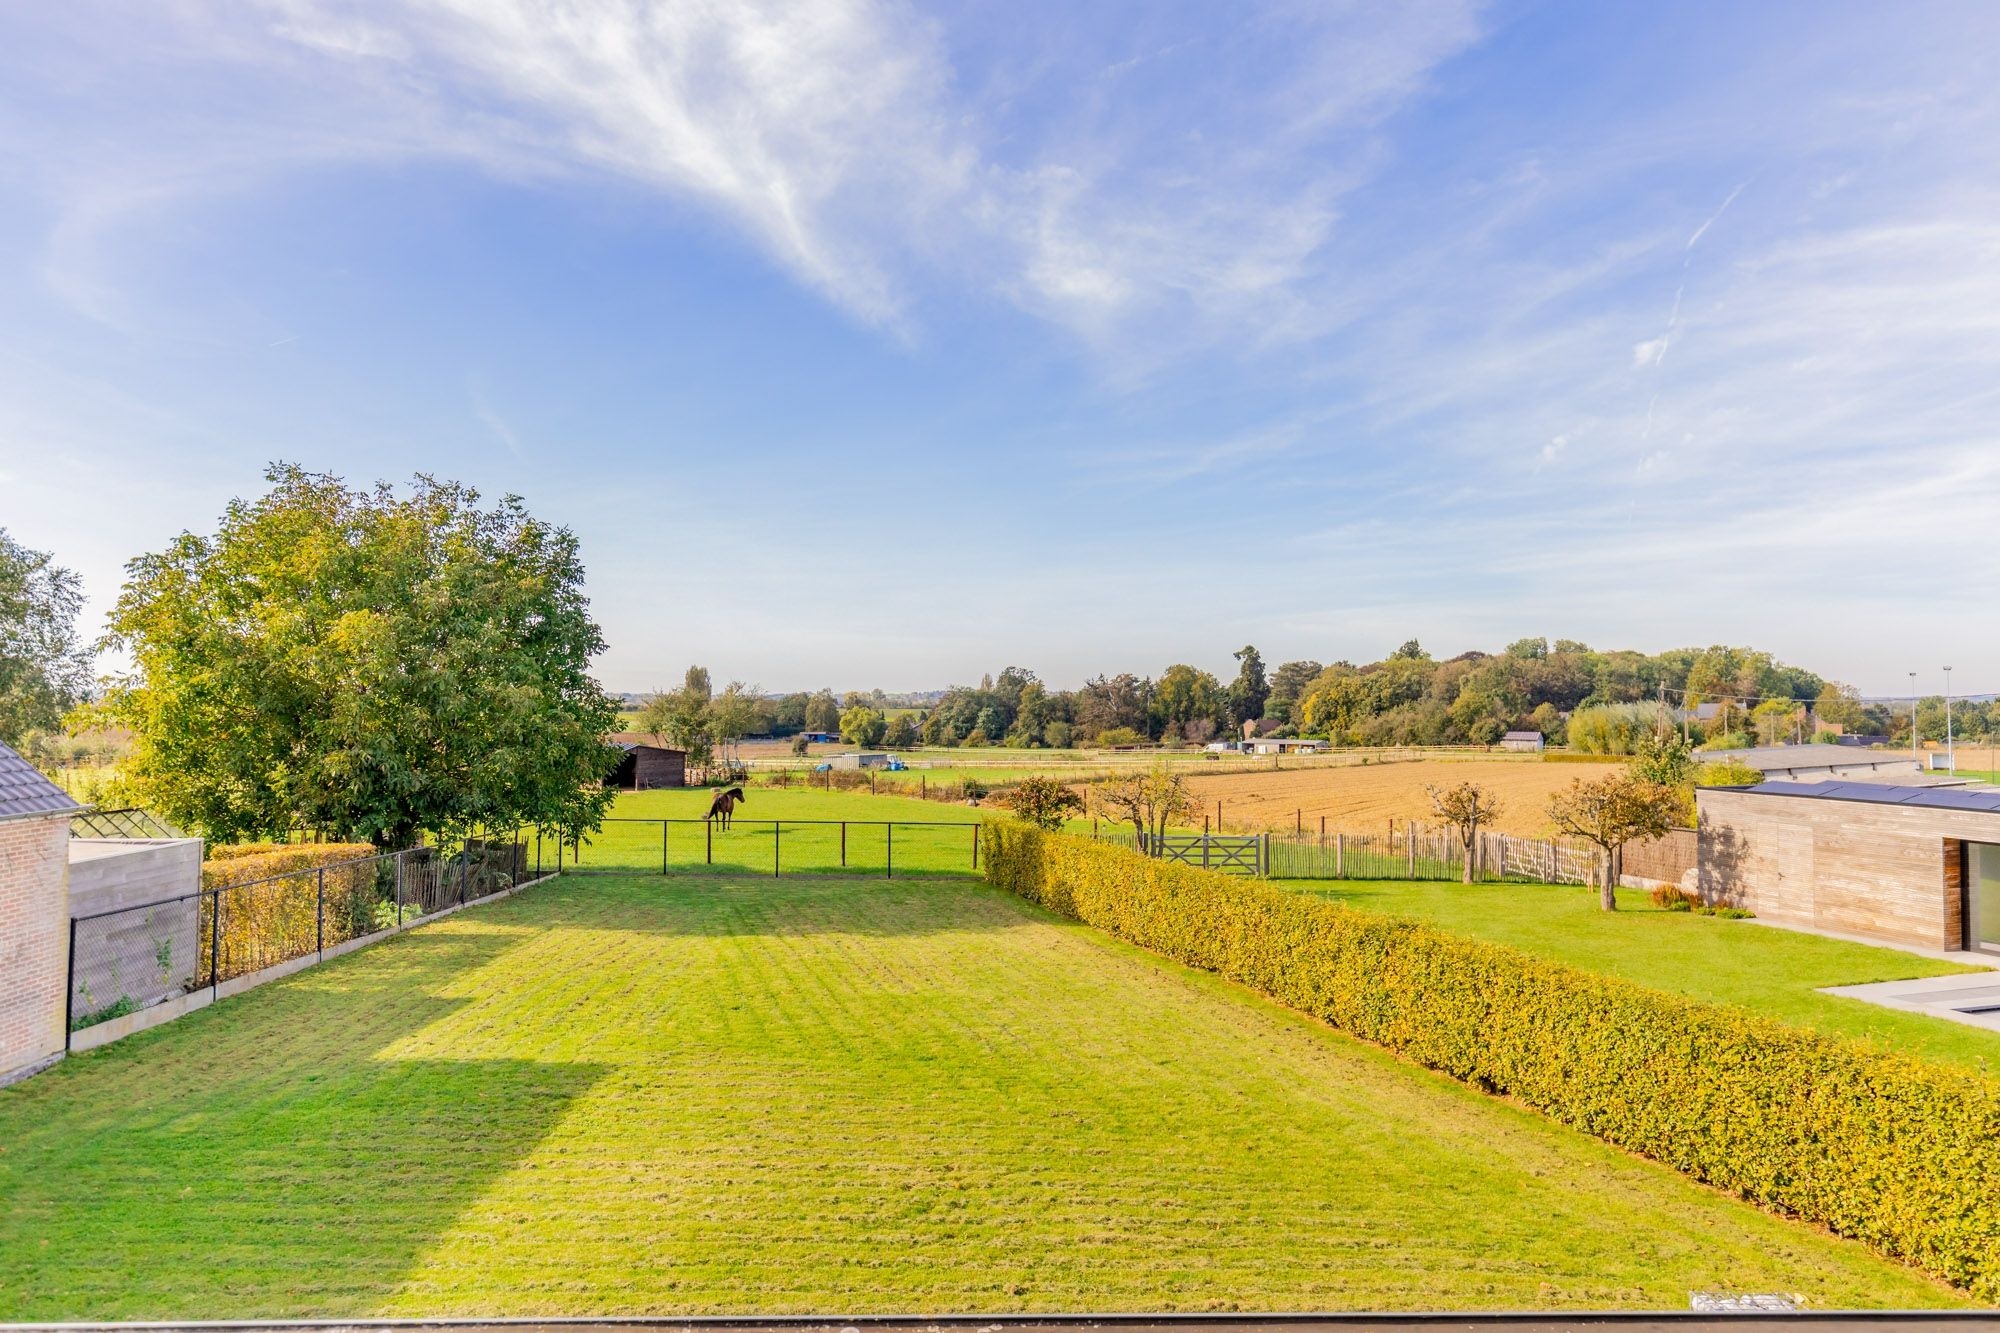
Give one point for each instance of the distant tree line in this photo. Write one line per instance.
(1601, 701)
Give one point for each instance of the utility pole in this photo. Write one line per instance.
(1913, 720)
(1950, 756)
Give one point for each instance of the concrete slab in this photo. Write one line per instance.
(1972, 998)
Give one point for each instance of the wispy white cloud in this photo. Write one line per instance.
(836, 137)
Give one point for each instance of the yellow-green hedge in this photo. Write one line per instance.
(272, 904)
(1895, 1152)
(239, 863)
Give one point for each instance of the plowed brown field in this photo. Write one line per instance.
(1364, 798)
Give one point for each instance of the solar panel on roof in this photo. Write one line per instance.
(1874, 793)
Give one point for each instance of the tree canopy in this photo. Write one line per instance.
(44, 667)
(368, 664)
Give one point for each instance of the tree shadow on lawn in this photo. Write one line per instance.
(788, 906)
(262, 1156)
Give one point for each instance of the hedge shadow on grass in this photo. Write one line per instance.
(271, 1145)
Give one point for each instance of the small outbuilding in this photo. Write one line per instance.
(864, 759)
(644, 767)
(1913, 866)
(1527, 742)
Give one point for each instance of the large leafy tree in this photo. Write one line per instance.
(1249, 690)
(366, 663)
(44, 668)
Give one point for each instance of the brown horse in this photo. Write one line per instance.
(723, 807)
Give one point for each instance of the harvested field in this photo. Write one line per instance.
(1364, 799)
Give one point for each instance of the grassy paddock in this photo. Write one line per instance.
(782, 829)
(627, 1095)
(1774, 972)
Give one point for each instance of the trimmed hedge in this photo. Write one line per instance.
(1897, 1153)
(238, 863)
(273, 905)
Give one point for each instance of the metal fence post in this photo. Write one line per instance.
(69, 987)
(890, 872)
(975, 846)
(843, 844)
(319, 918)
(538, 853)
(399, 880)
(464, 868)
(709, 826)
(214, 943)
(663, 846)
(777, 836)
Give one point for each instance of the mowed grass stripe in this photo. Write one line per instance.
(614, 1095)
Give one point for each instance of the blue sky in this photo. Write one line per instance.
(866, 343)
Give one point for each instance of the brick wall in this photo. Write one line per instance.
(34, 939)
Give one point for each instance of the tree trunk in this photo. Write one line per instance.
(1607, 895)
(1471, 855)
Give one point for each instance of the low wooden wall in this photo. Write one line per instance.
(1875, 869)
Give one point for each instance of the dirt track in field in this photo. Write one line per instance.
(1363, 799)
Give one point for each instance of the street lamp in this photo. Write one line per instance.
(1950, 756)
(1913, 720)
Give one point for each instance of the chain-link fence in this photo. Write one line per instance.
(776, 847)
(135, 957)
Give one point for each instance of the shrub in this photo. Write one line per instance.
(1043, 802)
(1727, 773)
(1612, 728)
(1900, 1154)
(1672, 897)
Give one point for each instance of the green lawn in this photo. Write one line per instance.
(639, 1094)
(784, 828)
(1775, 972)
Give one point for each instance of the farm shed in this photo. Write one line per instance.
(1284, 745)
(644, 767)
(1820, 763)
(34, 916)
(1529, 742)
(861, 760)
(1915, 866)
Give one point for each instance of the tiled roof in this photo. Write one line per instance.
(24, 791)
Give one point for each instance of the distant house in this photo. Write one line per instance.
(819, 737)
(1285, 745)
(1528, 742)
(644, 767)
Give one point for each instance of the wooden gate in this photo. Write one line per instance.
(1235, 853)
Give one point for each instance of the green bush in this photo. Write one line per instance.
(1897, 1153)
